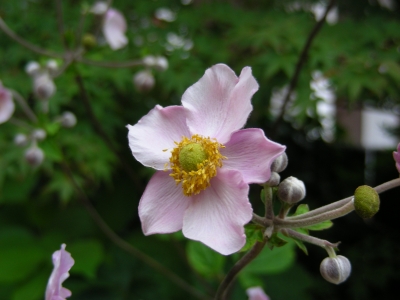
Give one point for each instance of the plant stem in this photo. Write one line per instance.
(308, 239)
(111, 64)
(25, 107)
(269, 209)
(243, 262)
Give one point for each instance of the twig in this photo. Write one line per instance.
(117, 240)
(308, 238)
(300, 62)
(243, 262)
(25, 107)
(111, 64)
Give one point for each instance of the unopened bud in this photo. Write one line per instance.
(291, 190)
(52, 65)
(89, 41)
(43, 86)
(34, 156)
(335, 270)
(32, 68)
(39, 134)
(280, 163)
(149, 61)
(20, 140)
(274, 179)
(68, 119)
(366, 201)
(144, 81)
(161, 63)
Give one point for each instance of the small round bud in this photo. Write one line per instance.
(144, 81)
(20, 140)
(68, 119)
(99, 8)
(52, 65)
(335, 270)
(291, 190)
(89, 41)
(32, 68)
(280, 163)
(34, 156)
(39, 134)
(43, 86)
(274, 179)
(366, 201)
(161, 63)
(149, 61)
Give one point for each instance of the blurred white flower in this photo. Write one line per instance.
(34, 155)
(99, 8)
(21, 140)
(165, 14)
(39, 134)
(319, 9)
(7, 105)
(32, 68)
(144, 81)
(68, 119)
(43, 86)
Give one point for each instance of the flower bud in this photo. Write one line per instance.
(291, 190)
(274, 179)
(20, 140)
(280, 163)
(39, 134)
(149, 61)
(335, 270)
(144, 81)
(7, 106)
(32, 68)
(366, 201)
(34, 156)
(161, 63)
(52, 65)
(68, 119)
(89, 41)
(43, 86)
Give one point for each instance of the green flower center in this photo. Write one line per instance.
(191, 155)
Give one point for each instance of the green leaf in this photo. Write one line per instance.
(276, 241)
(88, 255)
(254, 233)
(301, 209)
(301, 245)
(320, 226)
(204, 260)
(33, 289)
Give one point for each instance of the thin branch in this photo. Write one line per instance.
(243, 262)
(299, 65)
(269, 209)
(25, 107)
(111, 64)
(26, 44)
(308, 239)
(117, 240)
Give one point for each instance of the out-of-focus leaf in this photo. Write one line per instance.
(34, 289)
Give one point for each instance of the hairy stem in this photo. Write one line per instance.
(308, 239)
(269, 209)
(244, 261)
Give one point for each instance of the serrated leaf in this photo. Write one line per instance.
(204, 260)
(254, 233)
(301, 245)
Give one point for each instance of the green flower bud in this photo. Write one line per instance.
(366, 201)
(89, 41)
(335, 269)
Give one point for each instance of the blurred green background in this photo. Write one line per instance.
(40, 207)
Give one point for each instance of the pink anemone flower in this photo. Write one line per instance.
(62, 262)
(7, 105)
(396, 156)
(114, 28)
(204, 162)
(256, 293)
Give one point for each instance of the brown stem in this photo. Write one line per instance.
(117, 240)
(243, 262)
(111, 64)
(299, 65)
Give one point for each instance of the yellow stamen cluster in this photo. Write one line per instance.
(198, 179)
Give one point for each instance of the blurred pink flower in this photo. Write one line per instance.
(256, 293)
(205, 162)
(7, 106)
(114, 28)
(62, 262)
(396, 156)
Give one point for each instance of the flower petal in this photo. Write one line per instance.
(219, 103)
(217, 215)
(156, 132)
(7, 106)
(256, 293)
(114, 29)
(62, 262)
(162, 205)
(396, 156)
(252, 154)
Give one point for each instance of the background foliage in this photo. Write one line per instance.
(40, 208)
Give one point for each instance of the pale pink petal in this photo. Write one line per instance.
(155, 133)
(252, 154)
(7, 106)
(62, 262)
(219, 103)
(162, 205)
(216, 216)
(396, 156)
(114, 28)
(256, 293)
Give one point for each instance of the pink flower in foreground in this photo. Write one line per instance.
(205, 162)
(62, 262)
(396, 156)
(256, 293)
(114, 28)
(7, 106)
